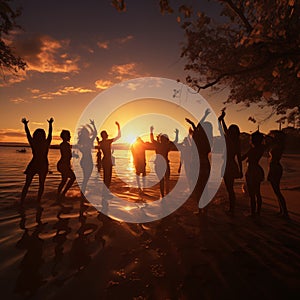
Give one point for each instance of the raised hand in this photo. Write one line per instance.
(117, 123)
(92, 122)
(222, 115)
(151, 128)
(176, 131)
(50, 121)
(188, 120)
(25, 121)
(207, 112)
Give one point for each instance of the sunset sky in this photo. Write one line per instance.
(77, 49)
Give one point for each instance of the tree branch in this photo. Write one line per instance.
(239, 13)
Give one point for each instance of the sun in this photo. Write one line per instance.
(129, 138)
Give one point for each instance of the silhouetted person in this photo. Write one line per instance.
(105, 146)
(86, 138)
(138, 150)
(99, 156)
(202, 136)
(233, 167)
(186, 151)
(275, 169)
(162, 147)
(64, 164)
(39, 163)
(255, 173)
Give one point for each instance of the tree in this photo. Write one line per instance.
(8, 60)
(253, 47)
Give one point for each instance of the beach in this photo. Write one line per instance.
(74, 251)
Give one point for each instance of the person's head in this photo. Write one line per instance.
(233, 132)
(65, 135)
(104, 134)
(83, 135)
(139, 140)
(39, 135)
(257, 138)
(164, 138)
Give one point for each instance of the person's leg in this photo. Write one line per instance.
(70, 182)
(137, 176)
(144, 180)
(258, 198)
(280, 198)
(229, 186)
(251, 192)
(109, 176)
(42, 178)
(62, 184)
(28, 181)
(162, 187)
(87, 171)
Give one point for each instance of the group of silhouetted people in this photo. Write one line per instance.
(254, 175)
(195, 148)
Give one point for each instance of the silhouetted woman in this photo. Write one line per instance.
(275, 168)
(186, 149)
(39, 163)
(202, 136)
(86, 138)
(162, 147)
(233, 168)
(105, 146)
(64, 164)
(255, 173)
(139, 159)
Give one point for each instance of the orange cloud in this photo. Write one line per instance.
(119, 73)
(103, 45)
(12, 135)
(103, 84)
(125, 39)
(125, 71)
(18, 100)
(10, 78)
(62, 92)
(44, 54)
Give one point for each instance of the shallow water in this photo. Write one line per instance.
(13, 164)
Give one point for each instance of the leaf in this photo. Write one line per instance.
(276, 73)
(291, 2)
(267, 95)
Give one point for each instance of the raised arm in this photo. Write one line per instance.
(176, 136)
(207, 112)
(152, 135)
(94, 130)
(29, 137)
(191, 123)
(49, 138)
(119, 132)
(221, 120)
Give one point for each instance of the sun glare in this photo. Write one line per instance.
(130, 138)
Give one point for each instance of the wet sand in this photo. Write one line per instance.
(73, 251)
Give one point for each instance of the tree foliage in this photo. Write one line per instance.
(8, 60)
(253, 47)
